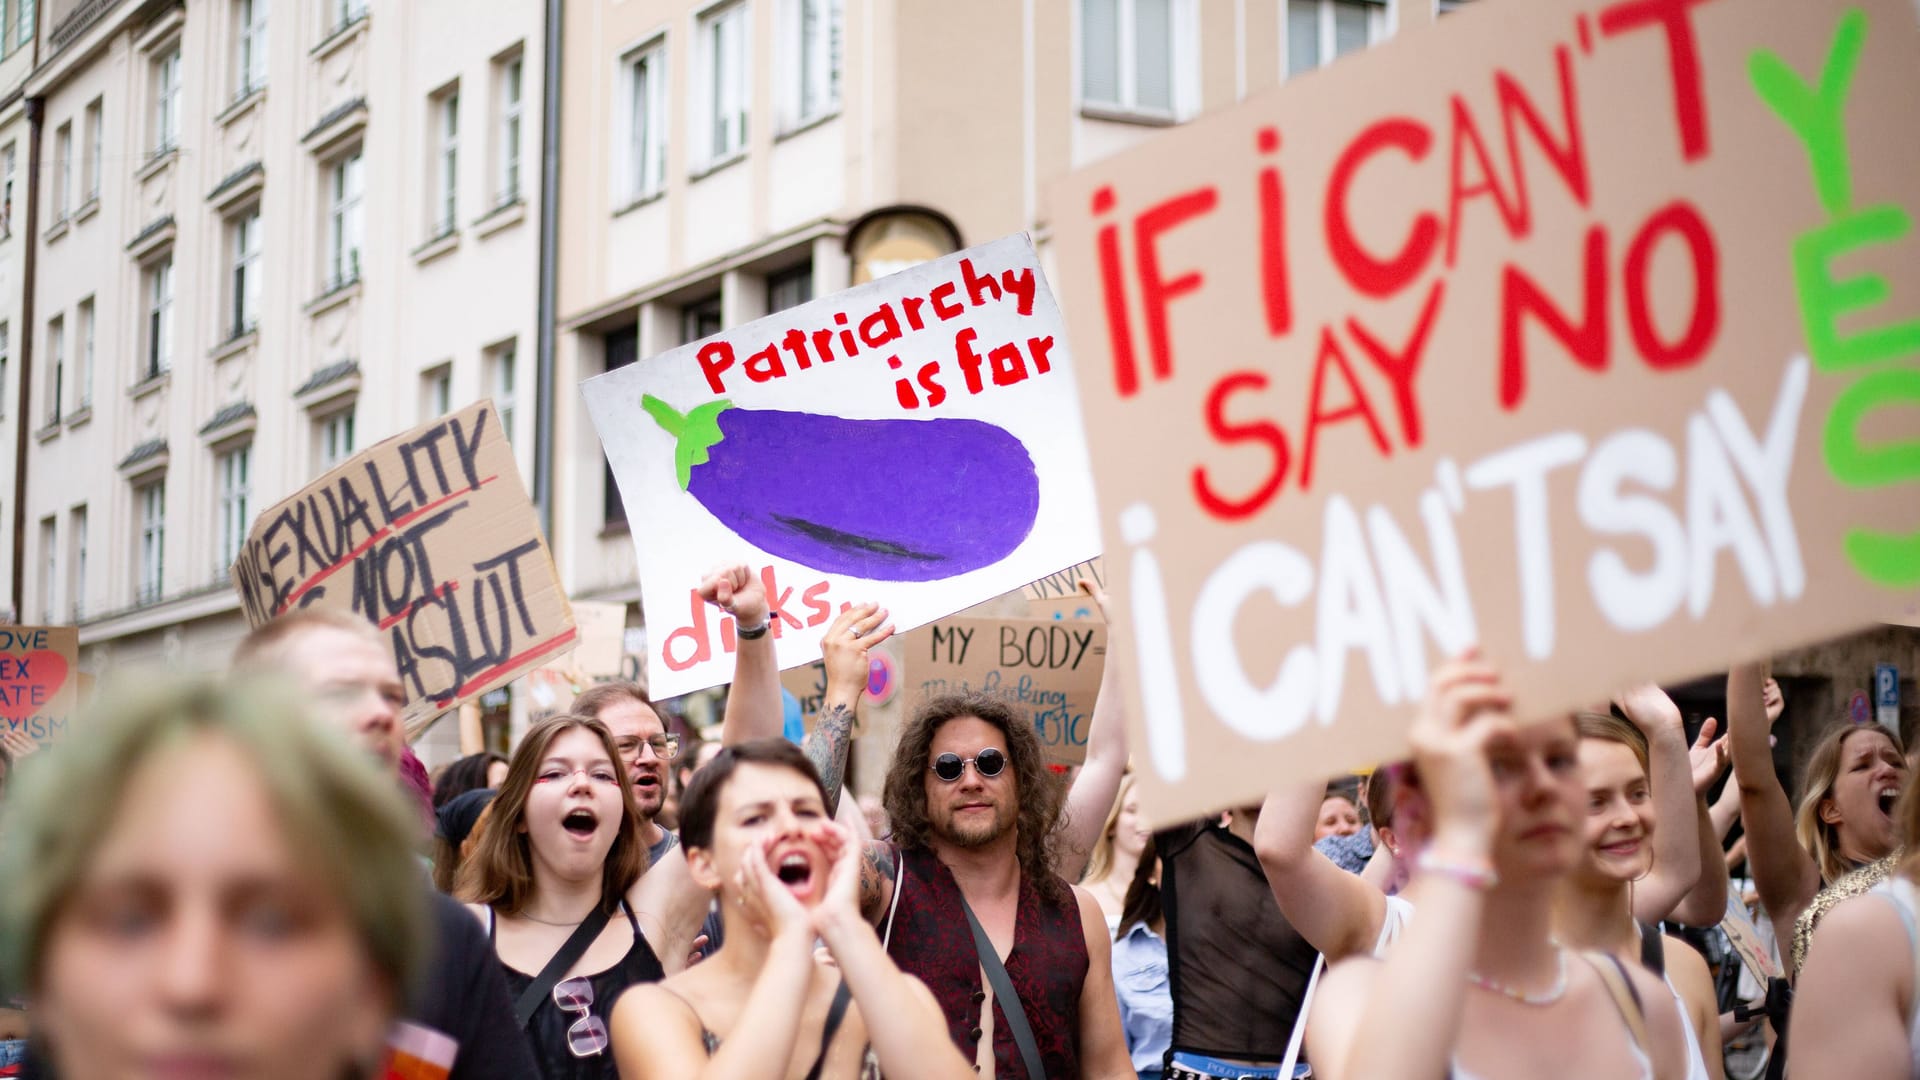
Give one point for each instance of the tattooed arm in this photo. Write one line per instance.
(878, 872)
(844, 649)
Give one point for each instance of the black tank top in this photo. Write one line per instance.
(547, 1029)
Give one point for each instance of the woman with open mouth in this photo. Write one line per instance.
(1841, 841)
(755, 828)
(551, 870)
(1596, 908)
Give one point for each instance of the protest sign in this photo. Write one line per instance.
(429, 536)
(39, 679)
(1048, 671)
(1580, 329)
(914, 442)
(603, 629)
(1058, 596)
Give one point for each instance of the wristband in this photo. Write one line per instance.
(1476, 874)
(755, 633)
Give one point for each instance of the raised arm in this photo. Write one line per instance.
(1098, 782)
(1338, 913)
(676, 906)
(1676, 839)
(753, 702)
(1103, 1042)
(1783, 873)
(1705, 905)
(844, 650)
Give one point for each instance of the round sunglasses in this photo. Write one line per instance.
(587, 1036)
(988, 762)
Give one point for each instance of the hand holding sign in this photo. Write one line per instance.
(1465, 711)
(845, 647)
(18, 745)
(737, 591)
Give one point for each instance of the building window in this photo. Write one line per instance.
(620, 348)
(6, 354)
(722, 89)
(345, 180)
(159, 290)
(507, 78)
(646, 122)
(1321, 31)
(443, 206)
(63, 172)
(166, 102)
(7, 169)
(246, 273)
(344, 13)
(700, 320)
(790, 288)
(436, 392)
(83, 370)
(810, 60)
(95, 122)
(25, 36)
(231, 471)
(57, 362)
(150, 571)
(49, 568)
(336, 438)
(501, 375)
(77, 562)
(250, 47)
(1130, 56)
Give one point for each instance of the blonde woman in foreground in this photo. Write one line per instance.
(1477, 986)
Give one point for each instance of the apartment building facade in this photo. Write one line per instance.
(17, 23)
(271, 232)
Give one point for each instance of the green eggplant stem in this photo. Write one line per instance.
(695, 432)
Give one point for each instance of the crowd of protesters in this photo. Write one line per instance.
(249, 876)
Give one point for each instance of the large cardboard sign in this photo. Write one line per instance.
(1049, 671)
(603, 629)
(430, 536)
(1058, 595)
(1588, 330)
(39, 679)
(915, 442)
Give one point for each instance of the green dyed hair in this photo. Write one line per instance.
(344, 816)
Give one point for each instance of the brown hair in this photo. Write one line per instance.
(500, 871)
(701, 803)
(263, 643)
(1041, 798)
(1822, 840)
(1382, 791)
(593, 699)
(1607, 727)
(1141, 904)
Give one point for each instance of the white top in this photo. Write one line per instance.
(1696, 1063)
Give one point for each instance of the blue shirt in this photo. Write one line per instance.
(1146, 996)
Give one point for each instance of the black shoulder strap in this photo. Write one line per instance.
(835, 1013)
(569, 954)
(1004, 993)
(1653, 951)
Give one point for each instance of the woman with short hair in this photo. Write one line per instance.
(208, 882)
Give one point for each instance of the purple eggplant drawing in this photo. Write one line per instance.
(887, 500)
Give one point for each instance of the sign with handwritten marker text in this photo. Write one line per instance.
(1047, 670)
(914, 442)
(39, 679)
(430, 537)
(1584, 330)
(1058, 596)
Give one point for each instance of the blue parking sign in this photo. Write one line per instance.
(1886, 696)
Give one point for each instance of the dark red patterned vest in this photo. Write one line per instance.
(1048, 965)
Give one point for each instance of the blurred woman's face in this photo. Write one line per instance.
(197, 943)
(496, 774)
(1338, 817)
(1130, 832)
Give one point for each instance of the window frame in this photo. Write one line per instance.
(250, 43)
(25, 27)
(722, 139)
(57, 362)
(85, 333)
(503, 360)
(150, 550)
(1326, 35)
(327, 429)
(156, 286)
(443, 198)
(77, 561)
(510, 97)
(644, 162)
(9, 167)
(167, 61)
(49, 568)
(232, 500)
(93, 160)
(345, 219)
(244, 278)
(810, 69)
(1183, 64)
(63, 172)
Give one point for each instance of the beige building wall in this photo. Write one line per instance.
(15, 61)
(332, 340)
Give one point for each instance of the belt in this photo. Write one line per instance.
(1177, 1071)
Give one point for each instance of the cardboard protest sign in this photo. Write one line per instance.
(1049, 671)
(603, 629)
(1058, 596)
(430, 536)
(914, 442)
(1745, 939)
(39, 679)
(1582, 329)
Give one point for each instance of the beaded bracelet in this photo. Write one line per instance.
(1475, 873)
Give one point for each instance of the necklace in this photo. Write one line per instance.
(550, 922)
(1544, 997)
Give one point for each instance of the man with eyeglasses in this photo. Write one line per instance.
(981, 857)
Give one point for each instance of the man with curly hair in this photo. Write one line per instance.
(977, 853)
